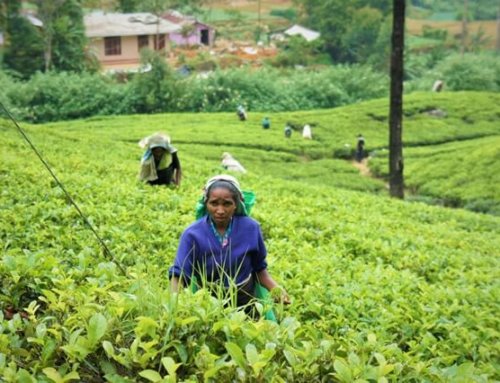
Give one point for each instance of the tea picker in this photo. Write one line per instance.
(224, 250)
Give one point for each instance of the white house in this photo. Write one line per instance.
(117, 38)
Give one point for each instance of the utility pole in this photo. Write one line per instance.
(498, 30)
(464, 28)
(396, 182)
(258, 19)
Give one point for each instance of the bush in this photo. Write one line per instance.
(468, 72)
(62, 96)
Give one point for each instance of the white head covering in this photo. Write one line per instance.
(222, 177)
(156, 140)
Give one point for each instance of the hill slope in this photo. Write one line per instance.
(382, 290)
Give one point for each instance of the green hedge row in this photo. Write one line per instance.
(63, 96)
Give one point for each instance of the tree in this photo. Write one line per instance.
(128, 6)
(47, 13)
(63, 34)
(23, 51)
(396, 165)
(69, 41)
(155, 90)
(338, 22)
(361, 34)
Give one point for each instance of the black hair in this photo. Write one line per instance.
(222, 184)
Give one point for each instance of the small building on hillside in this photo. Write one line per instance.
(296, 30)
(307, 34)
(117, 38)
(192, 32)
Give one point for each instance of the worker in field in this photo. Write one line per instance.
(360, 148)
(230, 163)
(266, 123)
(288, 131)
(160, 163)
(224, 249)
(307, 132)
(241, 112)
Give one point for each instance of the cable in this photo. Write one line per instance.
(107, 252)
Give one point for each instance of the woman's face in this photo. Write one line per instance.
(221, 206)
(157, 153)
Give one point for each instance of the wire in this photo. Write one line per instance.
(107, 252)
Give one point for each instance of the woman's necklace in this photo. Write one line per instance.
(223, 238)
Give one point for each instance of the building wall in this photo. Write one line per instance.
(130, 55)
(194, 38)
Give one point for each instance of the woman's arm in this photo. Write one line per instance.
(177, 169)
(269, 283)
(175, 283)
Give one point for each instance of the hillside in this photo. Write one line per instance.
(383, 290)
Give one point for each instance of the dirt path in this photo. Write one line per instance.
(362, 167)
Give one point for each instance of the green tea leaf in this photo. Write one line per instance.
(53, 374)
(236, 354)
(170, 365)
(150, 375)
(343, 371)
(97, 328)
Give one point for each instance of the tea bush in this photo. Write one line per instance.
(383, 290)
(455, 174)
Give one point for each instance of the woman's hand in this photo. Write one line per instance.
(280, 295)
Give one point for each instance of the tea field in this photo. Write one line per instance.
(382, 290)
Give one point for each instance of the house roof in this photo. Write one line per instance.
(34, 20)
(176, 17)
(126, 24)
(308, 34)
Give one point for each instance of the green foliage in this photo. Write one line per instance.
(159, 90)
(154, 90)
(467, 72)
(69, 38)
(287, 13)
(127, 6)
(361, 34)
(457, 174)
(382, 290)
(63, 96)
(24, 49)
(297, 51)
(349, 29)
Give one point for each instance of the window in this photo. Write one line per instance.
(112, 46)
(142, 42)
(159, 43)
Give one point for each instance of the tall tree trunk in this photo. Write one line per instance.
(396, 182)
(48, 50)
(464, 28)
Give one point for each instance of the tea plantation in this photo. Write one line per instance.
(383, 290)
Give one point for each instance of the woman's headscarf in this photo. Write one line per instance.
(242, 207)
(157, 140)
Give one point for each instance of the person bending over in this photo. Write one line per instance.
(160, 163)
